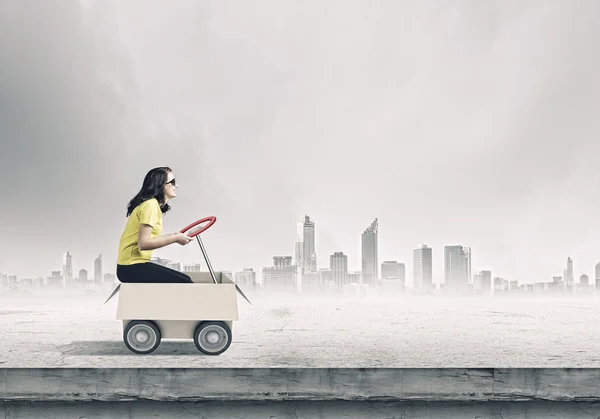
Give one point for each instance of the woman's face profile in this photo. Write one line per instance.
(170, 187)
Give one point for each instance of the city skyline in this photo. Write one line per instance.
(282, 277)
(456, 261)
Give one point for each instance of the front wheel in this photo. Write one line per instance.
(141, 336)
(212, 337)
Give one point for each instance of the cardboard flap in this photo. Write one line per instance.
(240, 291)
(116, 290)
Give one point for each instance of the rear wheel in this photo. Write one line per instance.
(141, 336)
(212, 337)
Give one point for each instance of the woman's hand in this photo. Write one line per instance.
(182, 238)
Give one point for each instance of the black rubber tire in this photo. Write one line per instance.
(224, 333)
(148, 324)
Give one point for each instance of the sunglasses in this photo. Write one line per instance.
(172, 182)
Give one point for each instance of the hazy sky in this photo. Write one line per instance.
(463, 122)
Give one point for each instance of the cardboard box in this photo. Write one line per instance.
(176, 311)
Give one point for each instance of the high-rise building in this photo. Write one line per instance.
(305, 250)
(282, 262)
(354, 277)
(56, 280)
(370, 254)
(68, 267)
(338, 263)
(393, 277)
(299, 246)
(281, 276)
(570, 279)
(194, 267)
(457, 268)
(482, 283)
(423, 268)
(467, 251)
(391, 269)
(98, 270)
(597, 276)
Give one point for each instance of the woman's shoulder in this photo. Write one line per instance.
(149, 202)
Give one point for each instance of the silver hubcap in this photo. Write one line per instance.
(213, 338)
(141, 337)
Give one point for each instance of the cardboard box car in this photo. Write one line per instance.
(177, 309)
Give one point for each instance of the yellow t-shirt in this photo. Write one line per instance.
(148, 212)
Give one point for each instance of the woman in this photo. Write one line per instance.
(142, 232)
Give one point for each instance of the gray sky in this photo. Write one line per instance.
(463, 122)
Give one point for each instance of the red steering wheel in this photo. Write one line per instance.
(194, 224)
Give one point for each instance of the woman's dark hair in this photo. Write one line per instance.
(153, 187)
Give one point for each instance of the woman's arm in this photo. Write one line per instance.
(147, 243)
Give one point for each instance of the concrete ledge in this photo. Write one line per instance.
(313, 384)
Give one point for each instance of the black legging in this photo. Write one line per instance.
(150, 272)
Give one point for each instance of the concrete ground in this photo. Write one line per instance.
(415, 332)
(264, 373)
(299, 393)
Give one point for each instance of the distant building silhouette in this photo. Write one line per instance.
(370, 254)
(338, 263)
(354, 277)
(246, 278)
(569, 278)
(393, 277)
(98, 270)
(68, 267)
(56, 280)
(457, 268)
(305, 251)
(482, 283)
(194, 267)
(423, 268)
(281, 276)
(391, 269)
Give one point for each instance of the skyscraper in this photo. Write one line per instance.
(467, 251)
(68, 266)
(305, 252)
(338, 263)
(281, 276)
(370, 254)
(282, 262)
(393, 269)
(98, 269)
(423, 268)
(457, 268)
(299, 247)
(483, 282)
(570, 279)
